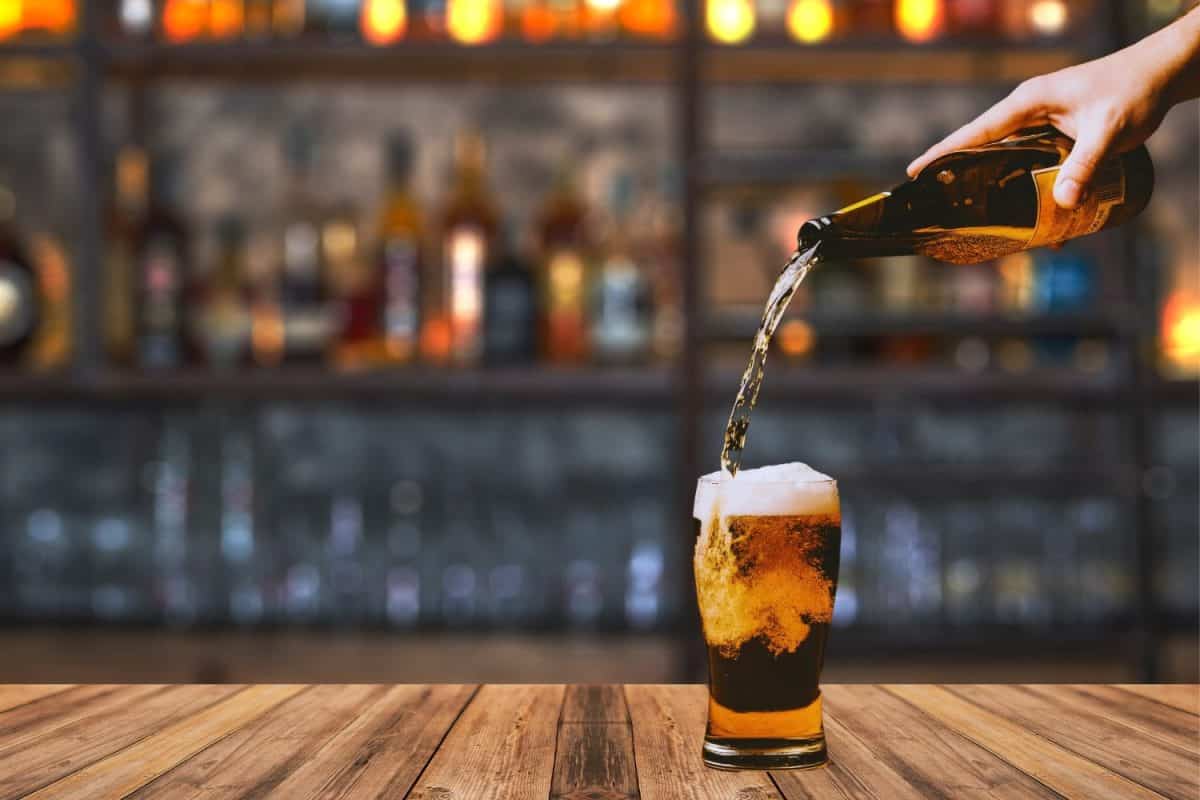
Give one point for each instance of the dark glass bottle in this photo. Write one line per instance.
(20, 308)
(161, 272)
(221, 322)
(510, 309)
(985, 202)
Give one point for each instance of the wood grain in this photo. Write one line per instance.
(1074, 726)
(1185, 697)
(1153, 719)
(13, 696)
(56, 751)
(598, 703)
(668, 731)
(593, 758)
(384, 748)
(936, 761)
(1060, 769)
(501, 747)
(138, 764)
(253, 760)
(21, 725)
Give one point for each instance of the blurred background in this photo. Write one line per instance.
(384, 340)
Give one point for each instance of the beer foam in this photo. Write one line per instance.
(758, 557)
(780, 489)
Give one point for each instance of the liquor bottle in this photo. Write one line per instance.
(125, 220)
(468, 240)
(564, 274)
(983, 203)
(20, 305)
(510, 308)
(307, 323)
(161, 272)
(221, 326)
(621, 305)
(51, 347)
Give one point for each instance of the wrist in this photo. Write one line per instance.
(1177, 49)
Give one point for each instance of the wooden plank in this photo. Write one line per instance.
(854, 772)
(41, 720)
(12, 696)
(1151, 718)
(593, 758)
(1059, 717)
(934, 760)
(61, 750)
(1184, 696)
(1058, 768)
(383, 750)
(668, 732)
(253, 760)
(501, 747)
(138, 764)
(602, 703)
(594, 761)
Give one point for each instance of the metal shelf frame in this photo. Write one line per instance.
(688, 66)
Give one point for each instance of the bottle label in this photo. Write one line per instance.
(1055, 224)
(17, 303)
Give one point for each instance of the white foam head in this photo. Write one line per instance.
(777, 490)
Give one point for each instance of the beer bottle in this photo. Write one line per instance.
(161, 271)
(985, 202)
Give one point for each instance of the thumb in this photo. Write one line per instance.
(1077, 171)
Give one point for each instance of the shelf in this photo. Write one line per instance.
(37, 49)
(939, 63)
(742, 325)
(450, 389)
(1178, 391)
(508, 62)
(869, 386)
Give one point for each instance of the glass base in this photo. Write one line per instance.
(765, 753)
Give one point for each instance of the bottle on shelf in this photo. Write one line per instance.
(510, 307)
(306, 315)
(161, 271)
(288, 18)
(468, 233)
(334, 19)
(382, 319)
(564, 274)
(655, 227)
(51, 347)
(126, 213)
(20, 302)
(221, 321)
(621, 313)
(983, 203)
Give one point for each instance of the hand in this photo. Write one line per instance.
(1109, 105)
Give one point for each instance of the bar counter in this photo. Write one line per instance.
(462, 742)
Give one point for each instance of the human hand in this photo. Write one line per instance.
(1109, 105)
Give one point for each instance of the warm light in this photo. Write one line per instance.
(730, 21)
(538, 22)
(919, 20)
(796, 338)
(184, 19)
(473, 21)
(1048, 17)
(652, 18)
(49, 16)
(810, 21)
(383, 21)
(226, 18)
(603, 6)
(1181, 334)
(10, 17)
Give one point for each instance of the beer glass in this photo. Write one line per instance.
(766, 566)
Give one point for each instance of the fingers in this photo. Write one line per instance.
(1076, 172)
(1012, 113)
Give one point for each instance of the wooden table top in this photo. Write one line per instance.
(452, 742)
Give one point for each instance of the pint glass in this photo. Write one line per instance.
(766, 566)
